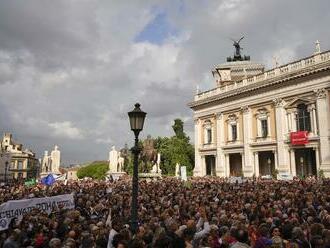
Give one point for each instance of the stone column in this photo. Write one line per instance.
(317, 158)
(256, 164)
(293, 162)
(198, 166)
(275, 159)
(247, 129)
(203, 166)
(227, 166)
(322, 105)
(220, 159)
(316, 130)
(282, 160)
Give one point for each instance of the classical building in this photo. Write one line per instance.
(51, 163)
(5, 159)
(23, 163)
(256, 122)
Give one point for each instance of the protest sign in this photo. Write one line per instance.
(183, 173)
(16, 209)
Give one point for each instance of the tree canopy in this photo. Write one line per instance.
(176, 149)
(95, 170)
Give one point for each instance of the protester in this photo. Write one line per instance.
(207, 212)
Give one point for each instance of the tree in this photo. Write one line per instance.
(176, 149)
(95, 170)
(178, 129)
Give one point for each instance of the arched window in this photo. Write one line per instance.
(303, 118)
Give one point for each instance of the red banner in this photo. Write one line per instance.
(299, 138)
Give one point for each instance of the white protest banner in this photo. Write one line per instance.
(16, 209)
(284, 176)
(238, 180)
(183, 173)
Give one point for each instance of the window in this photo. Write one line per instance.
(20, 165)
(234, 131)
(209, 136)
(303, 118)
(263, 119)
(264, 128)
(207, 132)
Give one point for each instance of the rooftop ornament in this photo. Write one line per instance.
(237, 54)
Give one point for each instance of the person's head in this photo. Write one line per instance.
(242, 236)
(297, 233)
(188, 234)
(276, 232)
(55, 243)
(263, 230)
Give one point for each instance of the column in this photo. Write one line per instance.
(275, 159)
(227, 166)
(247, 129)
(293, 162)
(293, 121)
(220, 160)
(317, 158)
(203, 166)
(197, 170)
(282, 160)
(256, 164)
(316, 130)
(322, 105)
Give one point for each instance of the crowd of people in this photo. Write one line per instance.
(202, 212)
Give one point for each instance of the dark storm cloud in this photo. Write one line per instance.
(71, 70)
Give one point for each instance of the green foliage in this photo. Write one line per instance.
(95, 170)
(178, 129)
(175, 149)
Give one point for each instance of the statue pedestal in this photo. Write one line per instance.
(116, 175)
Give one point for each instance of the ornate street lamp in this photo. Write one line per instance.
(136, 119)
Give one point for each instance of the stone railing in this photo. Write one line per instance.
(270, 74)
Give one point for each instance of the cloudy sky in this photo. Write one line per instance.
(70, 70)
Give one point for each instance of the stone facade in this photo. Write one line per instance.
(243, 126)
(23, 163)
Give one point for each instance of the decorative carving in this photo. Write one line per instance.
(232, 118)
(245, 109)
(317, 47)
(278, 102)
(320, 93)
(262, 113)
(218, 115)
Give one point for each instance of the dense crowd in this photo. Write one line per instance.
(203, 212)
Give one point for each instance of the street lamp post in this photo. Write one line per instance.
(136, 119)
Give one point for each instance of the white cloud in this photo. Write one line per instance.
(66, 130)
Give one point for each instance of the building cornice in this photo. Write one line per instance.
(278, 76)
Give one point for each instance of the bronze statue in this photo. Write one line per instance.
(237, 47)
(148, 154)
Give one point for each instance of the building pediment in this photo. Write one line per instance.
(296, 101)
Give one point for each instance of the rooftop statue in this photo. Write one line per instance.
(237, 54)
(237, 47)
